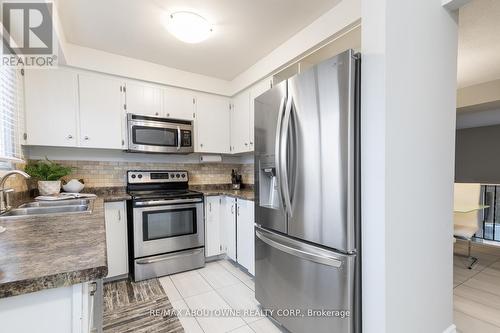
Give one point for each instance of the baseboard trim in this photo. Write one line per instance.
(451, 329)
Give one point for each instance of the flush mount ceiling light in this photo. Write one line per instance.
(187, 26)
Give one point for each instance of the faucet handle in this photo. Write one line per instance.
(5, 199)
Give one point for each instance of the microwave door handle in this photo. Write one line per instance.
(178, 138)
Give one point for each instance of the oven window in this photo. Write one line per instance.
(154, 136)
(168, 223)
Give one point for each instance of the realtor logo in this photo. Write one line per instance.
(28, 34)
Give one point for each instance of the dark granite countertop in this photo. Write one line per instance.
(52, 251)
(246, 193)
(110, 194)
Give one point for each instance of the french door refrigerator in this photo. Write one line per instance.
(307, 232)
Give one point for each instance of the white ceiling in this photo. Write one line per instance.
(479, 42)
(244, 31)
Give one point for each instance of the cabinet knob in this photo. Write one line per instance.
(86, 138)
(70, 136)
(246, 143)
(251, 142)
(156, 113)
(201, 144)
(168, 114)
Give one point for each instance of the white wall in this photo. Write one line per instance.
(100, 61)
(346, 14)
(408, 114)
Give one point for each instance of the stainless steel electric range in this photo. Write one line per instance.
(166, 224)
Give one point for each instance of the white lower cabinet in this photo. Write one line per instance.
(228, 226)
(229, 229)
(71, 309)
(213, 245)
(245, 243)
(115, 216)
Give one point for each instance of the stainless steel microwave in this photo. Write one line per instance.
(148, 134)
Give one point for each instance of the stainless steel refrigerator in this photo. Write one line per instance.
(307, 180)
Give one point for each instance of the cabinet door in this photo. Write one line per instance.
(255, 92)
(240, 118)
(143, 99)
(51, 98)
(212, 124)
(228, 226)
(101, 112)
(245, 235)
(116, 238)
(178, 103)
(213, 245)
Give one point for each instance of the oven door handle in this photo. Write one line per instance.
(165, 202)
(166, 257)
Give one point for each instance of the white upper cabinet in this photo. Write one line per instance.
(212, 124)
(51, 107)
(240, 117)
(178, 103)
(256, 91)
(143, 99)
(101, 112)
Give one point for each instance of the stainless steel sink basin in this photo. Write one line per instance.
(43, 208)
(61, 203)
(46, 210)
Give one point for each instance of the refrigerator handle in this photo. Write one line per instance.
(297, 252)
(285, 188)
(278, 146)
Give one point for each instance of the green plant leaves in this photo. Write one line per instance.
(47, 170)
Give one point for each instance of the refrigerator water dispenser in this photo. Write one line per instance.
(268, 187)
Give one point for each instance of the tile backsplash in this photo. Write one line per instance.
(107, 173)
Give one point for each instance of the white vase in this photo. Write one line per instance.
(49, 187)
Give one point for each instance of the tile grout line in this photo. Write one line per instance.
(478, 319)
(225, 301)
(236, 275)
(184, 300)
(478, 272)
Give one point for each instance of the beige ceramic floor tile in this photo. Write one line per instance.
(190, 283)
(210, 323)
(169, 288)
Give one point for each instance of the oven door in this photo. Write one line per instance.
(159, 137)
(166, 228)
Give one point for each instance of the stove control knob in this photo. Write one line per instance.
(183, 175)
(133, 176)
(172, 175)
(178, 175)
(140, 176)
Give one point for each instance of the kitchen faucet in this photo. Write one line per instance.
(4, 198)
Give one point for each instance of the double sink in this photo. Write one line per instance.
(39, 208)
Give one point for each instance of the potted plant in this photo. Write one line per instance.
(48, 174)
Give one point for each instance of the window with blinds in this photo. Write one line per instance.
(11, 115)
